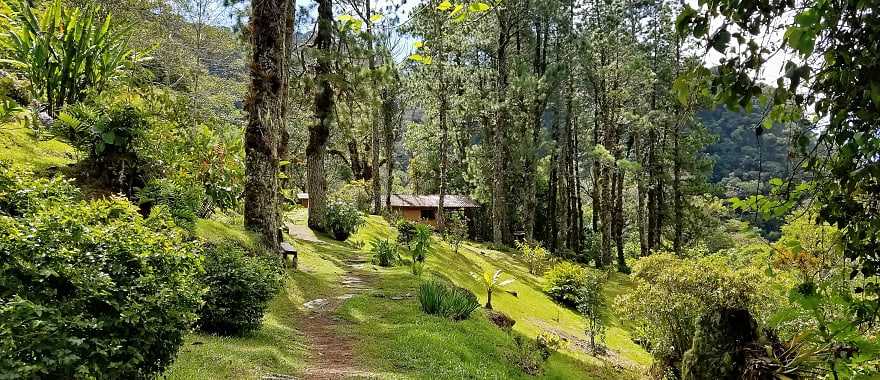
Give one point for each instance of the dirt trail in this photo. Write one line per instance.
(333, 353)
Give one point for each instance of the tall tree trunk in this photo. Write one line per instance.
(377, 189)
(640, 204)
(500, 233)
(537, 124)
(676, 190)
(619, 221)
(320, 131)
(388, 130)
(443, 100)
(265, 135)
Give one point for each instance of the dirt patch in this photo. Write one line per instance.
(303, 233)
(332, 353)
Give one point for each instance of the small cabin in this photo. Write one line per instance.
(423, 208)
(303, 199)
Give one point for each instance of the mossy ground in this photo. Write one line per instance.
(20, 146)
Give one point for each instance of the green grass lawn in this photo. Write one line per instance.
(402, 338)
(394, 339)
(20, 146)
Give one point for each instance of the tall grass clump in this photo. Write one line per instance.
(447, 301)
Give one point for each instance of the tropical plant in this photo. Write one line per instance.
(421, 243)
(492, 282)
(384, 252)
(65, 52)
(343, 219)
(240, 285)
(448, 301)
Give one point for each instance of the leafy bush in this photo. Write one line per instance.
(406, 232)
(93, 290)
(107, 132)
(447, 301)
(343, 219)
(534, 256)
(530, 356)
(565, 280)
(384, 252)
(183, 198)
(591, 304)
(421, 245)
(357, 193)
(21, 192)
(240, 285)
(670, 295)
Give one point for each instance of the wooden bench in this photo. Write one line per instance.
(288, 249)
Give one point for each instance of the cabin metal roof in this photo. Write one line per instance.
(423, 201)
(433, 200)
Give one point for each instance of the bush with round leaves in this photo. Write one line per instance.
(240, 283)
(343, 219)
(21, 192)
(93, 290)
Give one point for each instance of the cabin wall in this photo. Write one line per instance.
(414, 214)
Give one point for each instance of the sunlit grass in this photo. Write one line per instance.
(20, 146)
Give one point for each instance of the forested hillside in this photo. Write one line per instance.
(480, 189)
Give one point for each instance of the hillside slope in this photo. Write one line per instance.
(375, 328)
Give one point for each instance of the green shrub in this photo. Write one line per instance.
(21, 192)
(421, 244)
(92, 290)
(240, 285)
(447, 301)
(672, 293)
(456, 229)
(357, 193)
(107, 130)
(406, 232)
(183, 198)
(564, 281)
(343, 219)
(534, 256)
(384, 252)
(591, 304)
(530, 356)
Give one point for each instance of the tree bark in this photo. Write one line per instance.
(377, 189)
(388, 129)
(266, 105)
(320, 131)
(500, 233)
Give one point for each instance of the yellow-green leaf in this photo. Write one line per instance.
(479, 7)
(375, 18)
(445, 5)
